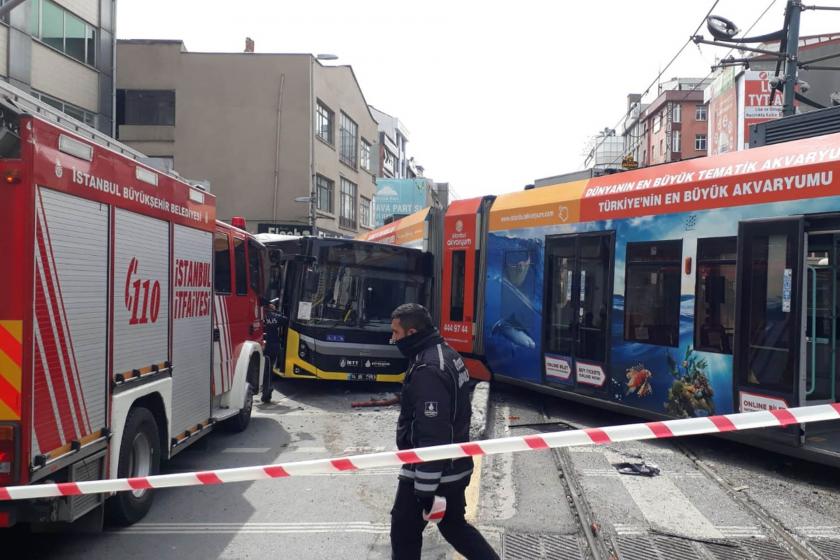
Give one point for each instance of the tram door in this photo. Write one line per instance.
(818, 382)
(578, 285)
(769, 316)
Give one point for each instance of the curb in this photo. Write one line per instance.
(480, 403)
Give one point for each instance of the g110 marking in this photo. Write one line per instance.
(137, 289)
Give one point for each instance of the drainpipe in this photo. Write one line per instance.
(277, 147)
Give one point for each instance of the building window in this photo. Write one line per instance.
(324, 119)
(700, 142)
(347, 218)
(714, 317)
(63, 31)
(700, 113)
(675, 141)
(70, 110)
(652, 292)
(662, 147)
(365, 155)
(324, 195)
(676, 114)
(657, 122)
(349, 141)
(146, 107)
(364, 212)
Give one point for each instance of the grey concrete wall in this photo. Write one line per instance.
(226, 115)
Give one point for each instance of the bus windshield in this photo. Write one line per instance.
(353, 285)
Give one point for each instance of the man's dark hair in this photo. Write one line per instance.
(413, 316)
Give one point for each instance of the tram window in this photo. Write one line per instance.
(221, 273)
(239, 257)
(714, 327)
(456, 306)
(652, 293)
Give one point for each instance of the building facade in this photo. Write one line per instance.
(675, 123)
(739, 97)
(282, 140)
(62, 52)
(607, 151)
(393, 139)
(633, 131)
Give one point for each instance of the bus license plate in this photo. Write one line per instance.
(361, 377)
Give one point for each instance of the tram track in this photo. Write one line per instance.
(600, 544)
(798, 548)
(603, 542)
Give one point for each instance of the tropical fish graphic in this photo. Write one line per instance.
(638, 381)
(513, 330)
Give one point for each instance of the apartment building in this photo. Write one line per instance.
(62, 51)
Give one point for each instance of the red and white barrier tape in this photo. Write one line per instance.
(597, 436)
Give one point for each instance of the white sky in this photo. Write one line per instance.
(494, 94)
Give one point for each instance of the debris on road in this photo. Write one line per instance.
(376, 402)
(637, 469)
(718, 542)
(564, 425)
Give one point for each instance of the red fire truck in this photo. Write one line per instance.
(129, 317)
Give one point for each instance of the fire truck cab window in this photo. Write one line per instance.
(241, 265)
(221, 248)
(254, 254)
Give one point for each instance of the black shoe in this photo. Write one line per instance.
(266, 399)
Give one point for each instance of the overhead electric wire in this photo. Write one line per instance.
(661, 72)
(687, 93)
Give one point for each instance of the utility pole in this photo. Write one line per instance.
(794, 8)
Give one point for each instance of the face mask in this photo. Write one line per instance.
(405, 343)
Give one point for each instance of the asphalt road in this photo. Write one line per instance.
(520, 502)
(682, 513)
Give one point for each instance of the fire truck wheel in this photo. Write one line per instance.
(139, 456)
(240, 422)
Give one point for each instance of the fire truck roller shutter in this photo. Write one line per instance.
(192, 328)
(70, 330)
(141, 292)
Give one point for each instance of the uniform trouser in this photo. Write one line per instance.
(407, 524)
(272, 352)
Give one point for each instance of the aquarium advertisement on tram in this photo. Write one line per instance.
(666, 375)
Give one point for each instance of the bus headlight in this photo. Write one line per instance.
(303, 350)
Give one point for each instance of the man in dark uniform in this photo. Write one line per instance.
(273, 323)
(435, 409)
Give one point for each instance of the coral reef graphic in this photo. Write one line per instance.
(690, 394)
